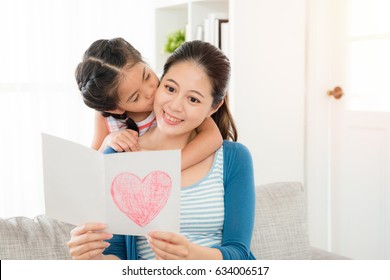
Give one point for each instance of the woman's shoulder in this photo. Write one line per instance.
(237, 165)
(235, 153)
(235, 148)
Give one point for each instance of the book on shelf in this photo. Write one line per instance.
(212, 26)
(206, 30)
(199, 33)
(218, 36)
(224, 42)
(216, 29)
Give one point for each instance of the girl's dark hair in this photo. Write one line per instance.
(217, 67)
(99, 73)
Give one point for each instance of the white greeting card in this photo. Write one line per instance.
(133, 193)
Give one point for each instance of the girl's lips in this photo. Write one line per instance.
(171, 119)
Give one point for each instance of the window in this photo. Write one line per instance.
(42, 41)
(368, 41)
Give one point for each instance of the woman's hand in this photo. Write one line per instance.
(87, 242)
(169, 245)
(125, 140)
(173, 246)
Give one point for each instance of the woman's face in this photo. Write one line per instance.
(183, 100)
(137, 89)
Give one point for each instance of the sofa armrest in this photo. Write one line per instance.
(281, 231)
(44, 238)
(319, 254)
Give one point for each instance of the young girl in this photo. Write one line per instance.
(217, 195)
(115, 81)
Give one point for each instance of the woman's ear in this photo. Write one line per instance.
(216, 109)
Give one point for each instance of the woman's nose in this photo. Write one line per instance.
(176, 104)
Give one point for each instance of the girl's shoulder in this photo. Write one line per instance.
(146, 124)
(114, 124)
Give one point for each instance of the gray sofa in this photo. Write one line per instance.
(280, 231)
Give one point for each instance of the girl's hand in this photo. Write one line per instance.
(169, 245)
(125, 140)
(87, 242)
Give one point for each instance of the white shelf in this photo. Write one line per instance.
(172, 15)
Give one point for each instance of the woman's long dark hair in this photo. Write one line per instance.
(217, 67)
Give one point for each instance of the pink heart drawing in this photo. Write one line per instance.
(141, 200)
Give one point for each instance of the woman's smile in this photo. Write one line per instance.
(171, 120)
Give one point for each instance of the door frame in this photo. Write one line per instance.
(318, 124)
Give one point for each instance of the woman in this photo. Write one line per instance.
(217, 196)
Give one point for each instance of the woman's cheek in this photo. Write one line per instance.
(157, 97)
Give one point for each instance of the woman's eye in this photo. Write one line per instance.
(194, 100)
(170, 89)
(147, 77)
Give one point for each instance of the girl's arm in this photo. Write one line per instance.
(205, 143)
(122, 140)
(100, 132)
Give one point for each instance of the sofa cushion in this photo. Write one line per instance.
(23, 238)
(281, 230)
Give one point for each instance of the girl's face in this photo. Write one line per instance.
(137, 89)
(183, 100)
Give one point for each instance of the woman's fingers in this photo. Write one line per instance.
(88, 250)
(168, 245)
(90, 255)
(164, 255)
(88, 241)
(87, 227)
(88, 237)
(167, 236)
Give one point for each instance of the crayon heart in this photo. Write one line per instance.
(141, 199)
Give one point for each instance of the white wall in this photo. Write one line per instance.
(42, 41)
(268, 61)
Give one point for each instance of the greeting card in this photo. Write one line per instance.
(132, 192)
